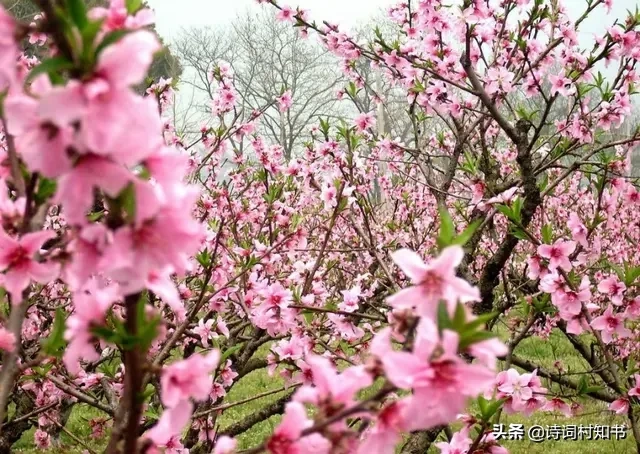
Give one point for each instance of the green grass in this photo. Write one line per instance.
(544, 352)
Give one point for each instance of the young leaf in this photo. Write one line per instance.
(547, 234)
(444, 322)
(54, 345)
(109, 39)
(492, 408)
(482, 405)
(459, 317)
(128, 201)
(49, 66)
(467, 233)
(229, 352)
(447, 229)
(133, 6)
(46, 189)
(467, 340)
(78, 12)
(481, 320)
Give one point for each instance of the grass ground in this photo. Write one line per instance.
(546, 352)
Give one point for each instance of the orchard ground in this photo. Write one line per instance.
(544, 352)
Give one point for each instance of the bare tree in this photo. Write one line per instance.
(268, 58)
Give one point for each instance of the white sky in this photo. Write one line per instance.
(172, 15)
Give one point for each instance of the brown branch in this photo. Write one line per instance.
(465, 60)
(559, 379)
(133, 360)
(274, 408)
(31, 414)
(9, 359)
(14, 163)
(244, 401)
(333, 311)
(82, 397)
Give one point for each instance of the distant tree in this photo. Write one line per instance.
(268, 57)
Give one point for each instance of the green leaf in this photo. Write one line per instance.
(78, 12)
(482, 405)
(228, 352)
(133, 6)
(467, 340)
(109, 368)
(506, 211)
(544, 182)
(547, 234)
(91, 30)
(631, 274)
(444, 322)
(343, 204)
(459, 317)
(308, 317)
(518, 233)
(89, 35)
(204, 258)
(128, 201)
(106, 334)
(351, 89)
(148, 392)
(49, 66)
(492, 408)
(467, 233)
(147, 329)
(43, 370)
(147, 332)
(151, 414)
(109, 39)
(46, 189)
(324, 127)
(516, 207)
(55, 343)
(344, 346)
(488, 407)
(480, 321)
(93, 217)
(447, 229)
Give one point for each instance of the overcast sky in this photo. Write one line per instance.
(172, 15)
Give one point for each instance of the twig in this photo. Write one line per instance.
(14, 163)
(9, 359)
(31, 414)
(334, 311)
(244, 401)
(75, 438)
(89, 400)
